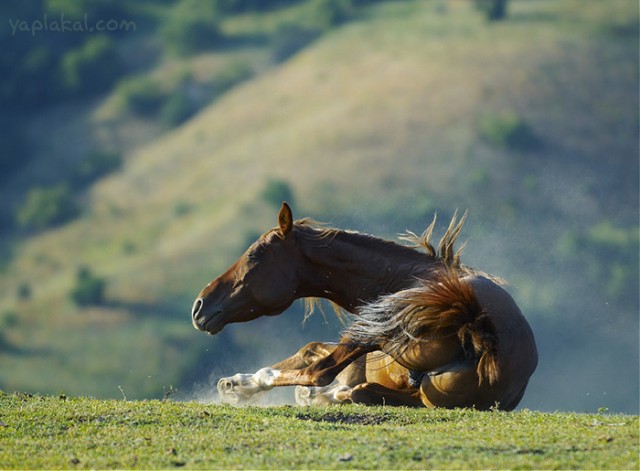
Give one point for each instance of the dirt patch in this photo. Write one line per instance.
(342, 418)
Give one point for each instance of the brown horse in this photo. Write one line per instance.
(426, 330)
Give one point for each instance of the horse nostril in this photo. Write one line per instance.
(196, 308)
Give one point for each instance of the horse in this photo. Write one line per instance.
(425, 329)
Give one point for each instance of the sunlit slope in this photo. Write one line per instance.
(375, 109)
(379, 120)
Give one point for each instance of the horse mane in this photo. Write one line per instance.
(445, 252)
(319, 231)
(441, 306)
(316, 230)
(311, 305)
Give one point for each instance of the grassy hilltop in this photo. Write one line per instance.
(395, 111)
(63, 433)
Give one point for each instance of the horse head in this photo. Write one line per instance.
(262, 282)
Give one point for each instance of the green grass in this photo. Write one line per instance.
(61, 432)
(373, 126)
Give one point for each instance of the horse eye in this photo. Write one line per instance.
(271, 238)
(255, 253)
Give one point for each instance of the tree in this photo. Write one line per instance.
(89, 288)
(494, 9)
(46, 207)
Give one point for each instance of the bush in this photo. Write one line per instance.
(177, 108)
(607, 255)
(91, 68)
(277, 191)
(242, 6)
(89, 289)
(141, 95)
(95, 165)
(493, 9)
(192, 26)
(230, 76)
(330, 13)
(508, 131)
(290, 39)
(46, 207)
(24, 291)
(189, 96)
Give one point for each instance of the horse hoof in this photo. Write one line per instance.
(303, 396)
(226, 391)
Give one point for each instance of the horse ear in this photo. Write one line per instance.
(285, 219)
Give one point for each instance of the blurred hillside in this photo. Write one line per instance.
(137, 163)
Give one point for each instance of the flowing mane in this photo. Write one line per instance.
(314, 231)
(444, 253)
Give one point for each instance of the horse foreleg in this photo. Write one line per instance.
(241, 387)
(307, 355)
(324, 370)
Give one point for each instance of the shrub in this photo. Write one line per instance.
(24, 291)
(95, 165)
(189, 96)
(45, 207)
(508, 131)
(330, 13)
(290, 39)
(89, 289)
(606, 254)
(91, 68)
(177, 108)
(192, 26)
(277, 191)
(9, 320)
(182, 208)
(241, 6)
(230, 76)
(141, 95)
(494, 10)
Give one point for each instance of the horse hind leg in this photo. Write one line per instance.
(323, 395)
(377, 394)
(339, 391)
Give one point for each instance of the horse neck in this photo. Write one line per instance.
(351, 268)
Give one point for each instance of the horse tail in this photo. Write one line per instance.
(479, 339)
(441, 306)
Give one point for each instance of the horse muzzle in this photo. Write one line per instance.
(206, 320)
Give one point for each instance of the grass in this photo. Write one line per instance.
(61, 432)
(376, 121)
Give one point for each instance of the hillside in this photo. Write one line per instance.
(60, 432)
(408, 109)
